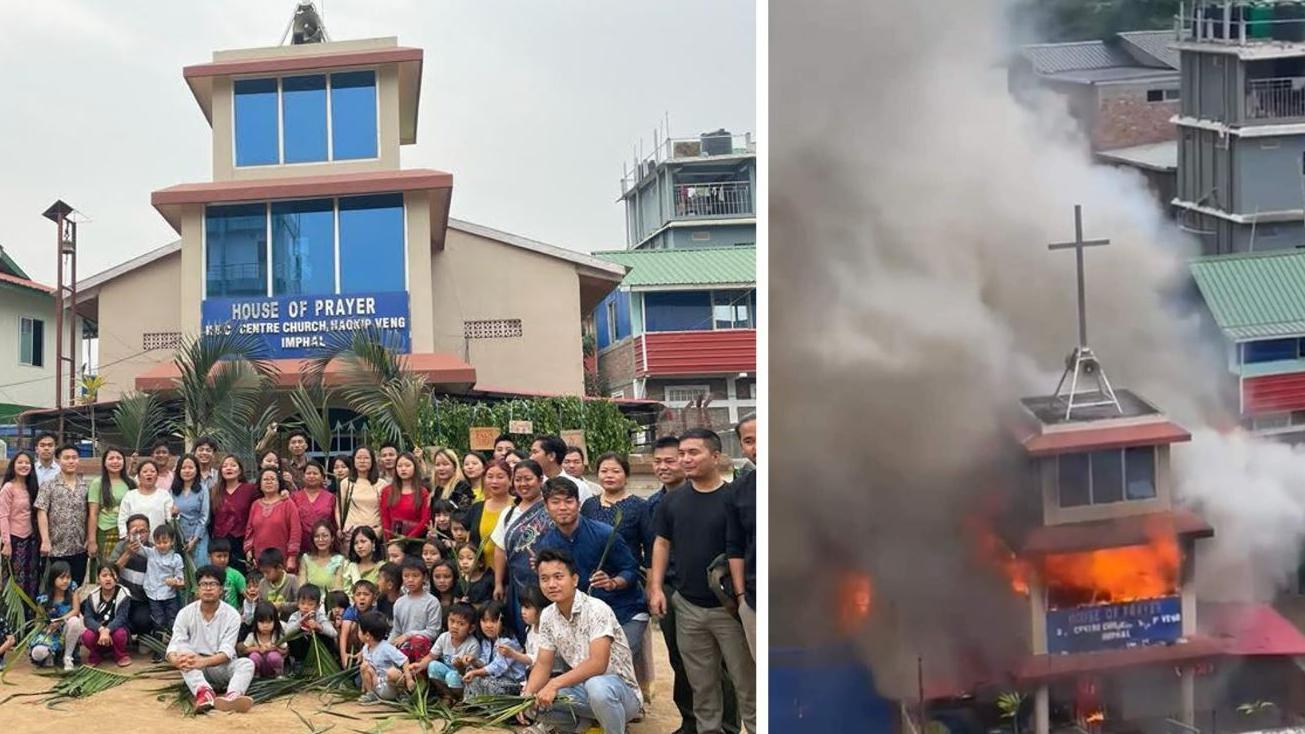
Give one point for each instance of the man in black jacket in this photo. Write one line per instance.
(741, 534)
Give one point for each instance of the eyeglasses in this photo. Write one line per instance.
(209, 585)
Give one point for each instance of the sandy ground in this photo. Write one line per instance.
(133, 708)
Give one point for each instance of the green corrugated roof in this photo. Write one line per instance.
(1254, 295)
(696, 266)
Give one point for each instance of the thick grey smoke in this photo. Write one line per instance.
(915, 301)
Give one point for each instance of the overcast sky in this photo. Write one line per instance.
(532, 105)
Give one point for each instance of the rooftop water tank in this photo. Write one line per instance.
(717, 143)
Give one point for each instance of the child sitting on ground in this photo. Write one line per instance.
(431, 553)
(454, 652)
(416, 613)
(364, 600)
(460, 528)
(394, 552)
(310, 618)
(475, 587)
(441, 518)
(382, 664)
(261, 645)
(276, 587)
(58, 599)
(336, 604)
(497, 671)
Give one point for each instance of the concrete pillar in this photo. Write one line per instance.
(1042, 710)
(732, 399)
(1189, 695)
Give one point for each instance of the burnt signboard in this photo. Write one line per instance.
(1115, 626)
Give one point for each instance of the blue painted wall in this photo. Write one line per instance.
(824, 691)
(603, 334)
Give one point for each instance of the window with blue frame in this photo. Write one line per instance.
(1271, 350)
(255, 122)
(353, 114)
(372, 244)
(303, 247)
(303, 118)
(236, 250)
(732, 309)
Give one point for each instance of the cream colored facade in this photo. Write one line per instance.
(465, 293)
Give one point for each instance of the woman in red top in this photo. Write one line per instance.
(273, 521)
(404, 507)
(314, 503)
(232, 496)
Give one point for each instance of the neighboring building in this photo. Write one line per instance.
(1257, 302)
(1241, 186)
(310, 229)
(26, 341)
(681, 329)
(1122, 92)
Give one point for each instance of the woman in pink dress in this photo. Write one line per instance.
(314, 503)
(19, 540)
(273, 521)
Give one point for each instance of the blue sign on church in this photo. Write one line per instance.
(1115, 626)
(300, 326)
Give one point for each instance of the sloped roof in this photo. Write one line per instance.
(1150, 48)
(696, 266)
(1254, 295)
(1053, 58)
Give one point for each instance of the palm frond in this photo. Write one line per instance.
(218, 374)
(310, 400)
(139, 419)
(369, 356)
(393, 408)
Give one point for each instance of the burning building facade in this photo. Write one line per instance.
(1106, 562)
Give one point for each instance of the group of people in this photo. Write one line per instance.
(499, 573)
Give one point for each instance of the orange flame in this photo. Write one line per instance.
(855, 600)
(1103, 576)
(1096, 717)
(1114, 574)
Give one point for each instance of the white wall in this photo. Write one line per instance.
(35, 384)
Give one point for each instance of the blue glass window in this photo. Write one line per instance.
(1272, 350)
(1139, 473)
(678, 310)
(303, 248)
(236, 244)
(303, 118)
(353, 114)
(371, 244)
(255, 120)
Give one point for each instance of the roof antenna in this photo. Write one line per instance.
(307, 25)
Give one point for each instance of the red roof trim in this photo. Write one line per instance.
(1043, 667)
(336, 184)
(25, 283)
(1113, 533)
(280, 64)
(1114, 437)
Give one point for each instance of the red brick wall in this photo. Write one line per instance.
(616, 366)
(1124, 118)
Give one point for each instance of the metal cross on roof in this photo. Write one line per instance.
(1081, 361)
(1078, 244)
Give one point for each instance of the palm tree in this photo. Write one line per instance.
(376, 384)
(139, 418)
(223, 385)
(310, 400)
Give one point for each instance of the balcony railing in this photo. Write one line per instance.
(1241, 22)
(667, 149)
(1275, 98)
(726, 199)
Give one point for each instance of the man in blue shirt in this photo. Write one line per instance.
(617, 582)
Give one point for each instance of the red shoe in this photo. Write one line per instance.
(233, 701)
(204, 699)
